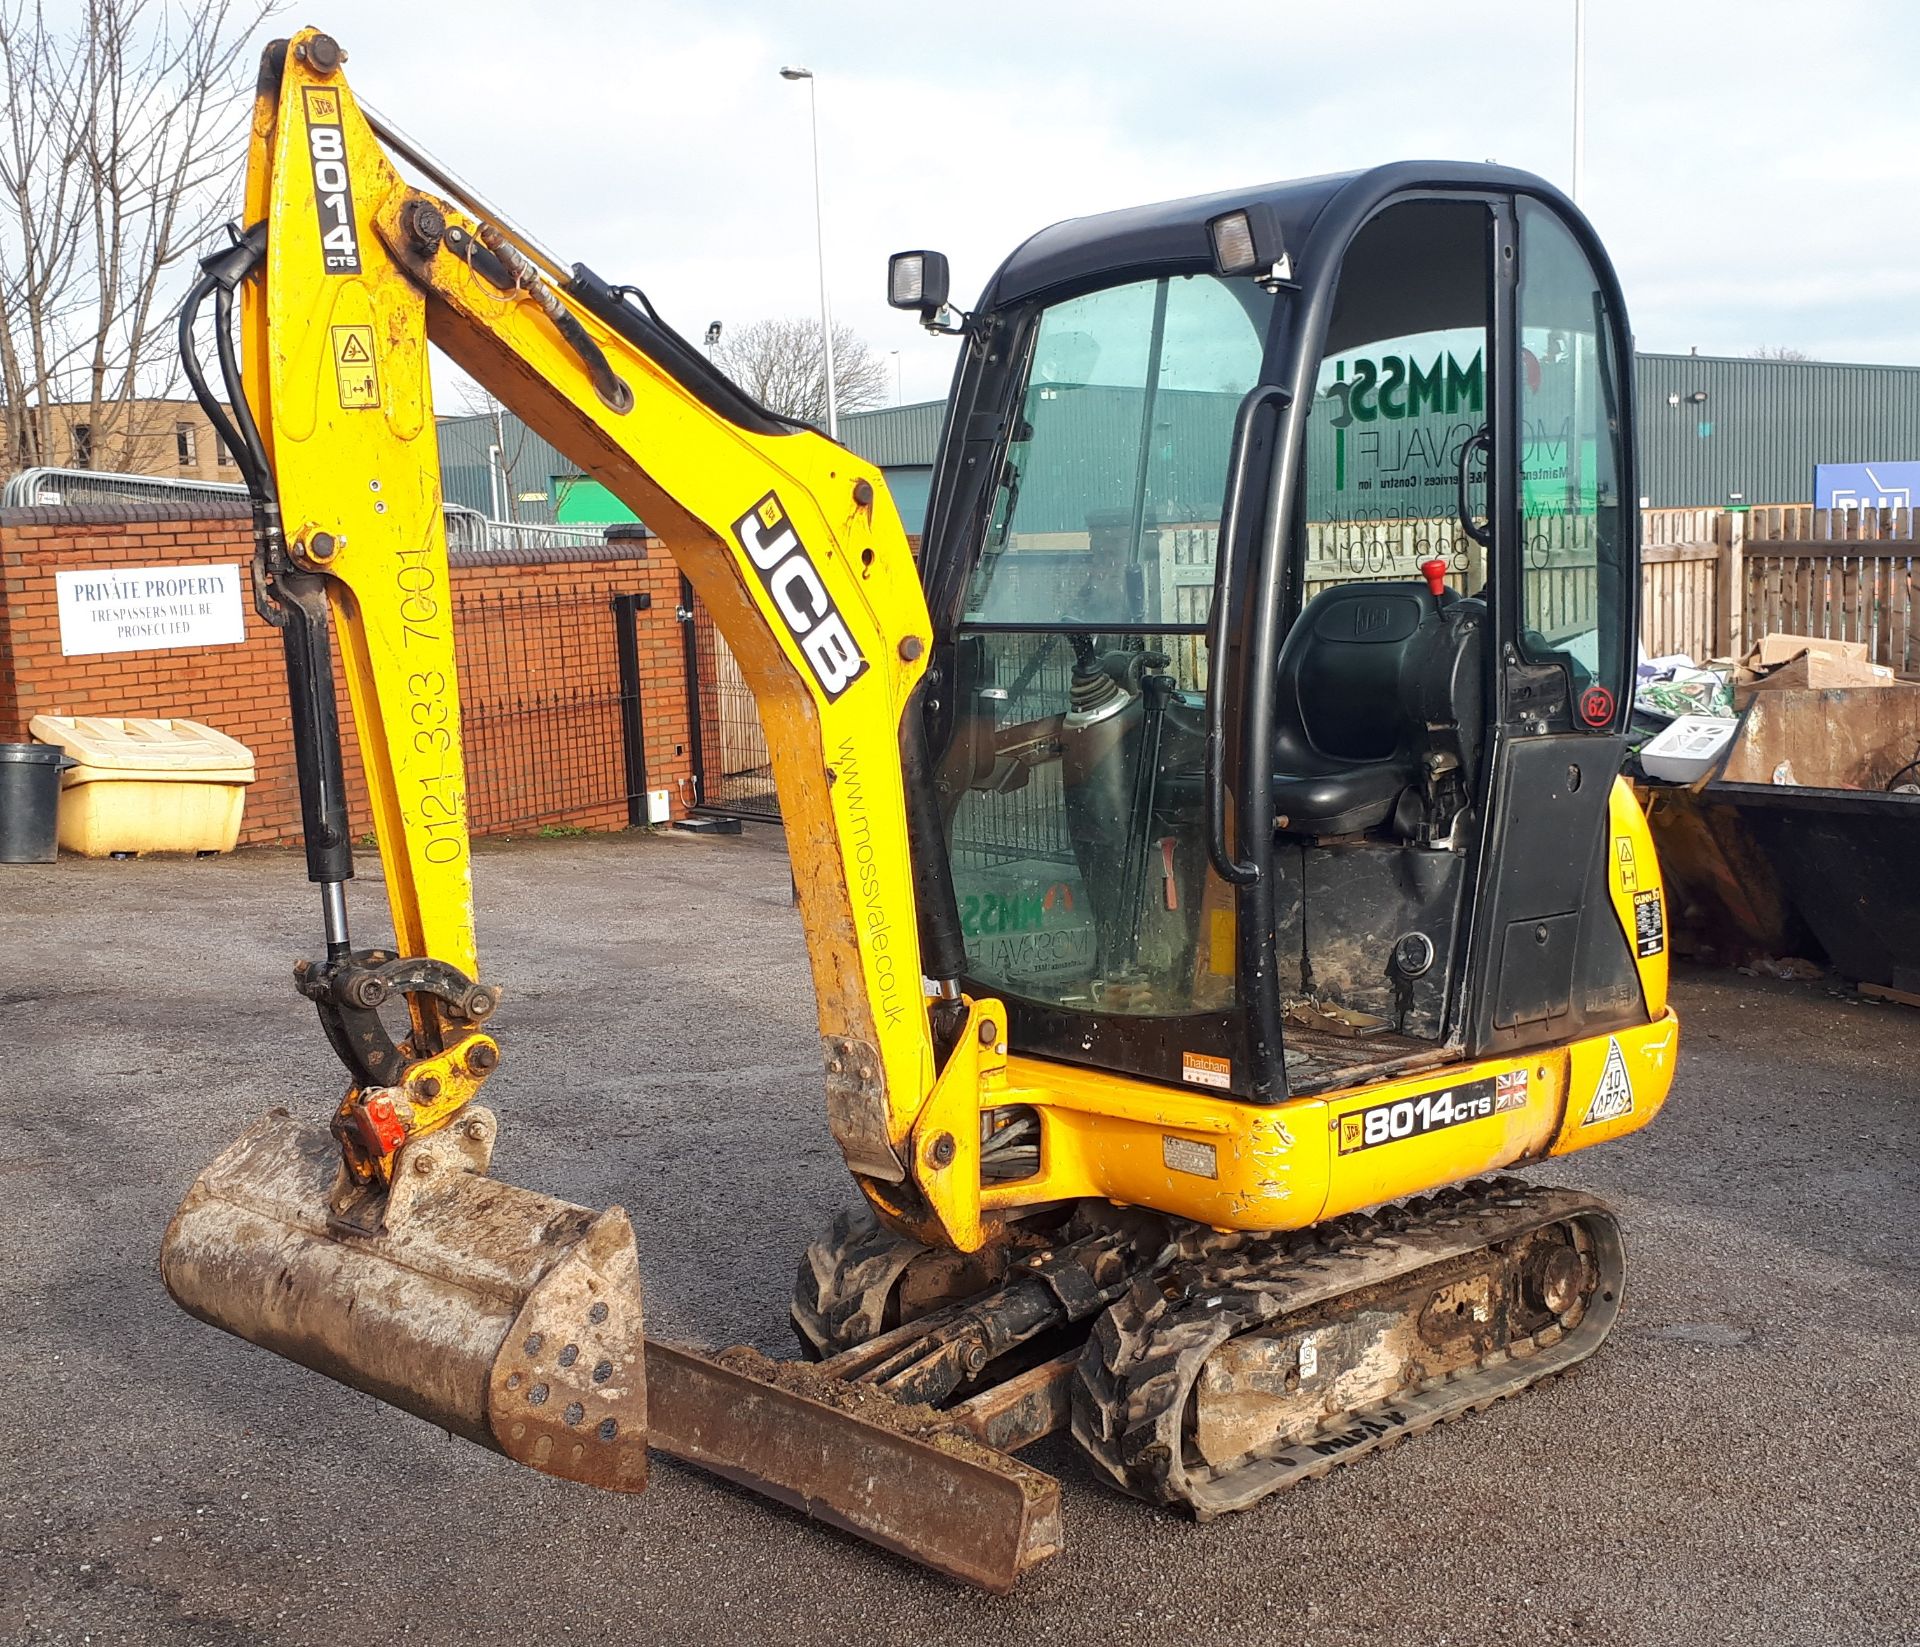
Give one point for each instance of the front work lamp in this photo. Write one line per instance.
(918, 280)
(1247, 241)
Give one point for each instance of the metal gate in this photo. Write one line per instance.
(731, 766)
(550, 708)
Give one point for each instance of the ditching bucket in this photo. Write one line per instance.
(504, 1316)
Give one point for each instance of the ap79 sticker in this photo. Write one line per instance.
(1430, 1112)
(1613, 1096)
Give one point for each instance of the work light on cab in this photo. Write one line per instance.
(918, 280)
(1248, 241)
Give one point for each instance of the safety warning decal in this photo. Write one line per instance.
(1412, 1117)
(1205, 1070)
(1649, 924)
(353, 367)
(1613, 1097)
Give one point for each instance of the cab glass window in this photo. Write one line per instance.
(1118, 455)
(1401, 395)
(1574, 523)
(1072, 782)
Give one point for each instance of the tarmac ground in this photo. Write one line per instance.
(1736, 1465)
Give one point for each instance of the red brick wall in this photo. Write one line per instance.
(528, 672)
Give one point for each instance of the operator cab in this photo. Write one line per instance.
(1281, 567)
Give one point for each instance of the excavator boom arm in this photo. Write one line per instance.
(791, 542)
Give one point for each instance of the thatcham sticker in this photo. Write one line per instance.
(1205, 1070)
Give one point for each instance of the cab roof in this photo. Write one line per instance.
(1084, 252)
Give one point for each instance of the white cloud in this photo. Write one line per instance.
(1748, 163)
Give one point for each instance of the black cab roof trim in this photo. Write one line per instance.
(1084, 252)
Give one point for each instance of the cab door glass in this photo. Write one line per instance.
(1072, 784)
(1401, 395)
(1573, 518)
(1393, 417)
(1120, 443)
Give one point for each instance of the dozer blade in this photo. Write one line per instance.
(506, 1317)
(906, 1478)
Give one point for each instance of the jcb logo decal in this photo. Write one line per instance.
(332, 191)
(801, 599)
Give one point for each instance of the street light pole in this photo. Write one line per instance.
(820, 246)
(1579, 95)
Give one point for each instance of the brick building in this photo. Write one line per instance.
(548, 706)
(169, 439)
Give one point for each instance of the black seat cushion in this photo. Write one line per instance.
(1344, 746)
(1343, 798)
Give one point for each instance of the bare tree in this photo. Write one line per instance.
(781, 364)
(119, 143)
(1777, 351)
(508, 446)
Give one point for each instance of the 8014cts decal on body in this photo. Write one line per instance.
(1432, 1111)
(771, 543)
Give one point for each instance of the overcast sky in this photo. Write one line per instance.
(1751, 164)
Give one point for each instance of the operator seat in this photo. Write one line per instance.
(1373, 677)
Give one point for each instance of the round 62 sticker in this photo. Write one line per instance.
(1596, 706)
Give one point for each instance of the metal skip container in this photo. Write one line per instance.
(507, 1317)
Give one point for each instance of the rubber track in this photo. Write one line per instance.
(840, 1293)
(1146, 1351)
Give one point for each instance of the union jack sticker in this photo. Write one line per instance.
(1510, 1091)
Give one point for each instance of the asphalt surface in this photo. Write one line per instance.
(1737, 1465)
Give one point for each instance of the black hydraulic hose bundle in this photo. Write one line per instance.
(294, 602)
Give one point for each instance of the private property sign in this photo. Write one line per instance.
(149, 609)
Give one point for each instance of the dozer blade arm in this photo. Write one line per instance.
(379, 1250)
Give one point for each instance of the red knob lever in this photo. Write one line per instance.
(1435, 572)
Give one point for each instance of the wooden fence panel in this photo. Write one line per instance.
(1680, 599)
(1681, 595)
(1712, 582)
(1855, 585)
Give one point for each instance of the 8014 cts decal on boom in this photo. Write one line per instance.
(332, 188)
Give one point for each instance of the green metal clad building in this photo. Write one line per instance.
(1713, 431)
(496, 464)
(1717, 431)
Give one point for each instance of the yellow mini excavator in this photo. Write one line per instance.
(1217, 860)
